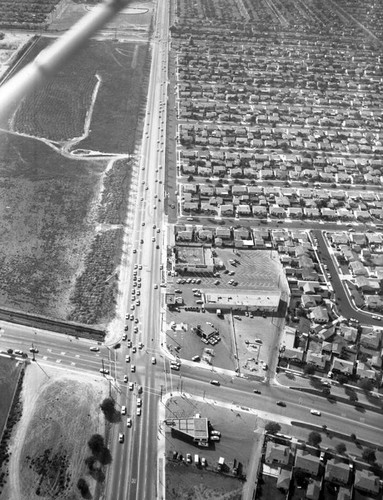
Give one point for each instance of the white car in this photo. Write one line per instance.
(139, 402)
(104, 371)
(120, 437)
(131, 386)
(129, 422)
(138, 413)
(123, 410)
(315, 412)
(215, 433)
(133, 368)
(155, 287)
(127, 358)
(93, 348)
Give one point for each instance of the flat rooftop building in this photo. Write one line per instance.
(195, 429)
(246, 300)
(194, 259)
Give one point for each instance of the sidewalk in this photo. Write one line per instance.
(344, 393)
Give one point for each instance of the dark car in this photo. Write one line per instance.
(256, 391)
(281, 403)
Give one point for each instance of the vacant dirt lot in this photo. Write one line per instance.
(60, 413)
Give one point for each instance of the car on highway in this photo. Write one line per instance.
(128, 422)
(138, 412)
(153, 239)
(127, 358)
(315, 412)
(139, 389)
(18, 351)
(129, 343)
(126, 328)
(215, 382)
(134, 250)
(123, 410)
(153, 360)
(142, 241)
(154, 226)
(131, 386)
(257, 391)
(133, 368)
(131, 317)
(104, 371)
(174, 366)
(155, 286)
(281, 403)
(125, 378)
(124, 337)
(120, 437)
(135, 329)
(93, 348)
(140, 345)
(34, 349)
(139, 402)
(134, 349)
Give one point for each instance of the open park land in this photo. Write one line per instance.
(65, 175)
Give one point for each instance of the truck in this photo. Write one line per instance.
(221, 463)
(196, 460)
(219, 313)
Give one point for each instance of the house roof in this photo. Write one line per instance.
(366, 481)
(337, 471)
(307, 462)
(277, 453)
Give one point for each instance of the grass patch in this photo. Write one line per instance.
(115, 194)
(58, 109)
(95, 291)
(9, 374)
(45, 223)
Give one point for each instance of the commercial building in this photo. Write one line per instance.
(194, 259)
(243, 300)
(193, 429)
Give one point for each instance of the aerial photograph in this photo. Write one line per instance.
(191, 249)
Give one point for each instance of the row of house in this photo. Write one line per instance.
(284, 462)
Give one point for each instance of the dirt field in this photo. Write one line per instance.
(60, 413)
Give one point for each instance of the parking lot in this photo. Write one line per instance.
(242, 341)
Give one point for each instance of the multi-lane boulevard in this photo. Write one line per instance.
(134, 470)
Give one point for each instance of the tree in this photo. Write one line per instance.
(107, 407)
(314, 438)
(96, 443)
(82, 485)
(353, 436)
(366, 384)
(272, 427)
(342, 379)
(340, 448)
(369, 455)
(90, 462)
(309, 369)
